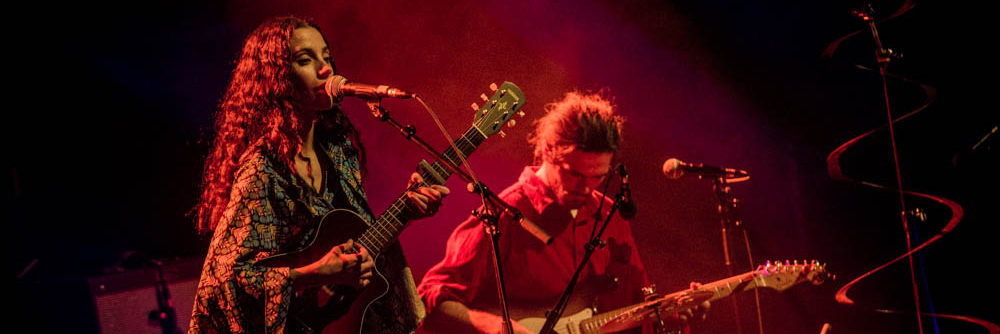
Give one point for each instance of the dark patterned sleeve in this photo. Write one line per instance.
(247, 296)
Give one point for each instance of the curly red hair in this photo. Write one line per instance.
(257, 107)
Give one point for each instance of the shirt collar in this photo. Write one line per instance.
(541, 196)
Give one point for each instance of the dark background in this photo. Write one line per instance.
(107, 154)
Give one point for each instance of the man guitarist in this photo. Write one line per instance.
(575, 142)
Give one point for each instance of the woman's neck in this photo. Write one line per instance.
(308, 138)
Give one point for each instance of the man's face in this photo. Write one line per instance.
(576, 175)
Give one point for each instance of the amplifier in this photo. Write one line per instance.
(127, 302)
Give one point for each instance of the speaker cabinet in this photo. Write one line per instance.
(127, 302)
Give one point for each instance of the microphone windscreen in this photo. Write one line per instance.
(333, 86)
(672, 168)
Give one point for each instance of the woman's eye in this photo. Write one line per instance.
(303, 61)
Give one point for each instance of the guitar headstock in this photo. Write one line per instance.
(507, 100)
(782, 275)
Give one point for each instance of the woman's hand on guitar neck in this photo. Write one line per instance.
(424, 201)
(345, 264)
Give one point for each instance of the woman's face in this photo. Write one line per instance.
(312, 65)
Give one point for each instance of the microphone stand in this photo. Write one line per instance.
(489, 216)
(490, 219)
(885, 55)
(552, 316)
(165, 313)
(729, 210)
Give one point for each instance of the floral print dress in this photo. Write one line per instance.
(273, 211)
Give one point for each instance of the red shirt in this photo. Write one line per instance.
(536, 274)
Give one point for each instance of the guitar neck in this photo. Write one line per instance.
(725, 287)
(720, 289)
(390, 224)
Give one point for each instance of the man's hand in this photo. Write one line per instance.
(700, 312)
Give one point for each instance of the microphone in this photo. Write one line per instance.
(626, 208)
(338, 86)
(675, 169)
(534, 230)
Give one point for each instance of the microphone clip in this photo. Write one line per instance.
(626, 207)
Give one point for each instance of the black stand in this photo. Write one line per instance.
(164, 313)
(490, 219)
(490, 214)
(884, 56)
(730, 218)
(552, 316)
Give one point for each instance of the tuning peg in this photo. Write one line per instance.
(511, 123)
(483, 96)
(649, 290)
(919, 214)
(861, 15)
(502, 134)
(520, 113)
(493, 86)
(475, 106)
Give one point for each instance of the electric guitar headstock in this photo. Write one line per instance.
(780, 276)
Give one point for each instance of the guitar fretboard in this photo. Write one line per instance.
(719, 289)
(387, 227)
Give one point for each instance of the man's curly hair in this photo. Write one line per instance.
(584, 121)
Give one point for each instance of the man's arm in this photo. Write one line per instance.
(454, 317)
(463, 278)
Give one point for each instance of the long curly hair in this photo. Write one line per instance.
(257, 107)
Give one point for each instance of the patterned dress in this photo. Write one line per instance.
(273, 211)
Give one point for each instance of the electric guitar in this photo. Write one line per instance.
(342, 309)
(776, 276)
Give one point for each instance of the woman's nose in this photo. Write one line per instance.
(326, 71)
